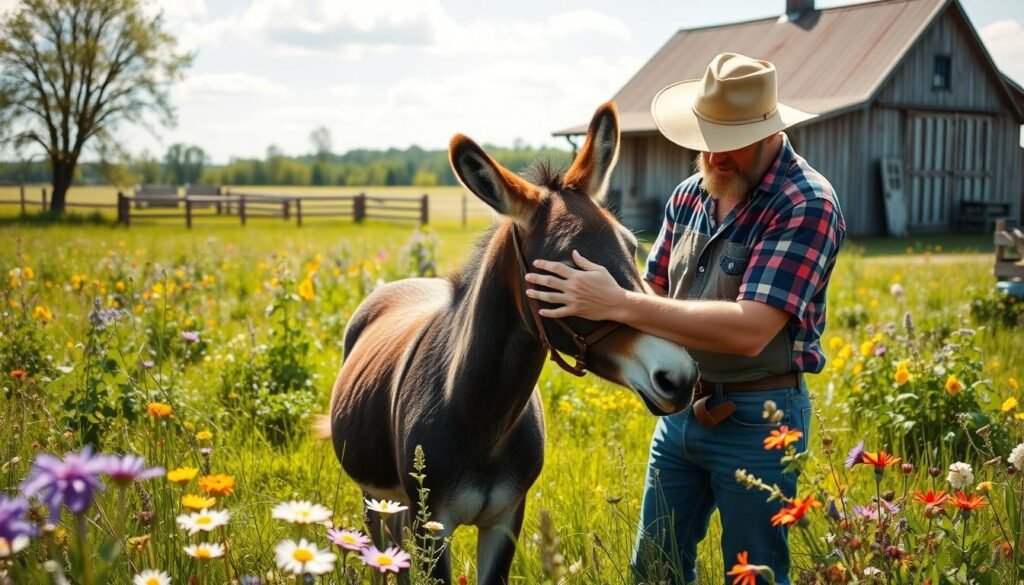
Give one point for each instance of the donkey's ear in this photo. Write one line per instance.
(593, 166)
(503, 190)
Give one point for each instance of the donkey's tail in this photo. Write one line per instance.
(321, 427)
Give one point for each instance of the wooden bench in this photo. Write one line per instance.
(1009, 242)
(156, 196)
(202, 195)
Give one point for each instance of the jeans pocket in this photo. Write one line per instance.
(750, 411)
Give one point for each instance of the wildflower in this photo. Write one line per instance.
(204, 436)
(348, 539)
(795, 511)
(217, 485)
(902, 375)
(205, 520)
(745, 573)
(205, 551)
(961, 474)
(182, 474)
(782, 437)
(953, 385)
(1014, 385)
(855, 455)
(984, 486)
(42, 313)
(907, 468)
(159, 410)
(147, 364)
(968, 503)
(15, 530)
(194, 502)
(12, 547)
(124, 470)
(434, 527)
(867, 349)
(19, 374)
(393, 559)
(896, 290)
(306, 290)
(138, 543)
(871, 512)
(190, 336)
(152, 577)
(1009, 404)
(879, 460)
(932, 501)
(71, 482)
(303, 558)
(296, 512)
(385, 507)
(1016, 457)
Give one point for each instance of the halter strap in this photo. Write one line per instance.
(582, 343)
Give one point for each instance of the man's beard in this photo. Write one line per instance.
(735, 186)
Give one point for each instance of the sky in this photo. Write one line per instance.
(396, 73)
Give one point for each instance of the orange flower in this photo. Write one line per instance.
(217, 485)
(795, 511)
(932, 501)
(879, 460)
(953, 385)
(968, 503)
(745, 573)
(159, 410)
(782, 437)
(19, 374)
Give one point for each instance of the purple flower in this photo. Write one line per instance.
(146, 364)
(190, 336)
(855, 455)
(12, 519)
(124, 470)
(880, 350)
(71, 482)
(866, 512)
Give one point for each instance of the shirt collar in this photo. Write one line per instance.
(776, 175)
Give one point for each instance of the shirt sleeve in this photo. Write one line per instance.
(795, 253)
(656, 271)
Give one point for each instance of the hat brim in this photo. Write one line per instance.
(672, 110)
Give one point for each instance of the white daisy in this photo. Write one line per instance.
(385, 507)
(12, 547)
(434, 527)
(204, 551)
(152, 577)
(1016, 457)
(204, 520)
(297, 512)
(960, 475)
(304, 557)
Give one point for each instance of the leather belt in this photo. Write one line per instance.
(711, 417)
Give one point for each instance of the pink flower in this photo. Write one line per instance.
(393, 559)
(348, 539)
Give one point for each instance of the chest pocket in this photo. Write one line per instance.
(727, 273)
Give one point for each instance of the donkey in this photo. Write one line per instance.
(452, 364)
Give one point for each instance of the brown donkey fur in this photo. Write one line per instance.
(452, 364)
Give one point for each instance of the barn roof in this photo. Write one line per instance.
(828, 61)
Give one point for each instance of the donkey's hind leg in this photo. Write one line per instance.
(496, 546)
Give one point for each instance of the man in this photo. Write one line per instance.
(740, 269)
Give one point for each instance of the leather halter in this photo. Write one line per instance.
(582, 343)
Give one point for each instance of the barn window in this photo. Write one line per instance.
(941, 78)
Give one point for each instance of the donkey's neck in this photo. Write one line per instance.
(496, 359)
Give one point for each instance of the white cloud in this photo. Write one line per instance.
(179, 10)
(1005, 42)
(218, 86)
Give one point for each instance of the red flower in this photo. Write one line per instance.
(19, 374)
(746, 574)
(879, 460)
(932, 501)
(972, 502)
(782, 437)
(795, 511)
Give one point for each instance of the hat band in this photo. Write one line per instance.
(760, 118)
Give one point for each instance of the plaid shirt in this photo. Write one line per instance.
(794, 227)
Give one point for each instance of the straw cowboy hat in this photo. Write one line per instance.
(734, 105)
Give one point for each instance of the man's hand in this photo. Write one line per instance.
(590, 292)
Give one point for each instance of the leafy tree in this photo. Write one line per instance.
(72, 71)
(184, 164)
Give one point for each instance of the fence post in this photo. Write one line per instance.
(464, 210)
(188, 213)
(22, 192)
(286, 209)
(125, 209)
(425, 209)
(298, 212)
(359, 208)
(220, 194)
(241, 208)
(44, 199)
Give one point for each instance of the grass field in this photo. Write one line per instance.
(218, 282)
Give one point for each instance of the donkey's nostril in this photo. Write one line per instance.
(664, 382)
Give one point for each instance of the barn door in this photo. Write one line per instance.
(949, 162)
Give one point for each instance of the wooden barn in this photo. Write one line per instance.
(904, 85)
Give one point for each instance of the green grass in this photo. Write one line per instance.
(597, 434)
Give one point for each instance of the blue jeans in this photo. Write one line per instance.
(691, 472)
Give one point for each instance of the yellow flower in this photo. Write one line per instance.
(217, 485)
(902, 376)
(204, 436)
(953, 385)
(159, 410)
(984, 486)
(1009, 404)
(867, 348)
(847, 352)
(42, 313)
(306, 290)
(182, 474)
(194, 502)
(858, 367)
(838, 364)
(27, 272)
(119, 286)
(1013, 383)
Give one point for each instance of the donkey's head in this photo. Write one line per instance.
(556, 214)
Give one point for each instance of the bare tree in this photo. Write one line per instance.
(72, 71)
(322, 143)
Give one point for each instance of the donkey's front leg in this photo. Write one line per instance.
(496, 546)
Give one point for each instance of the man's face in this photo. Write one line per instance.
(732, 174)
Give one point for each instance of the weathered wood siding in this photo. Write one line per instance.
(649, 168)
